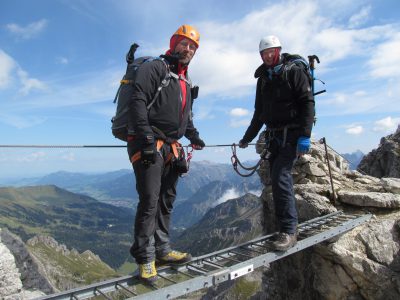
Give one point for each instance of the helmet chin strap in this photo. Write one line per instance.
(277, 56)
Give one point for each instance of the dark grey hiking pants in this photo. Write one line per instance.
(281, 164)
(156, 186)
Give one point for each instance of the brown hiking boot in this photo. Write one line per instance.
(284, 241)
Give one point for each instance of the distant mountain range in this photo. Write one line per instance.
(64, 205)
(354, 158)
(118, 187)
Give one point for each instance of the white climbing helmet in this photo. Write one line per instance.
(270, 41)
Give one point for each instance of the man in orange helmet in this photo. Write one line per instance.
(153, 151)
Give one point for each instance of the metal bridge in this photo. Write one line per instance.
(217, 267)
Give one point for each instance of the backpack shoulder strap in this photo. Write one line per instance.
(164, 82)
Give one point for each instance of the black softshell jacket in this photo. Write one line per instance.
(166, 112)
(282, 102)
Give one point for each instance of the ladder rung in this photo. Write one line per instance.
(185, 274)
(125, 289)
(197, 269)
(213, 263)
(242, 254)
(96, 290)
(166, 278)
(252, 250)
(229, 258)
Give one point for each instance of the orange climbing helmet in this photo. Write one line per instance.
(189, 32)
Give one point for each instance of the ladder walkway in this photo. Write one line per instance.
(214, 268)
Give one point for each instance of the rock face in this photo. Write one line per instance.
(43, 266)
(361, 264)
(20, 277)
(385, 160)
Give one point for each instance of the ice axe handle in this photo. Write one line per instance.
(311, 59)
(130, 56)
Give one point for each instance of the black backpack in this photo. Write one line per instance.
(289, 60)
(122, 126)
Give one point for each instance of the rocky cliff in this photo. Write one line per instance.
(20, 276)
(385, 160)
(361, 264)
(43, 266)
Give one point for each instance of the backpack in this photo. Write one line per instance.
(289, 60)
(122, 126)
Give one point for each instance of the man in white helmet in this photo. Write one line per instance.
(285, 104)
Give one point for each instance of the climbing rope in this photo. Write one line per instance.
(236, 162)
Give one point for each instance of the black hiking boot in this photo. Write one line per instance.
(283, 241)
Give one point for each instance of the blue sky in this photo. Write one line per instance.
(61, 61)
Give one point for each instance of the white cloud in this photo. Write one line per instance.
(387, 125)
(229, 194)
(239, 112)
(359, 102)
(386, 59)
(360, 18)
(7, 64)
(228, 56)
(356, 130)
(28, 32)
(29, 84)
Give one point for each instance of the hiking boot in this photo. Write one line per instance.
(148, 272)
(284, 241)
(175, 258)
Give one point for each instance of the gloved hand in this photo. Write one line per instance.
(149, 151)
(197, 143)
(303, 145)
(243, 144)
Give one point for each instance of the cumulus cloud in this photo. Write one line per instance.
(355, 130)
(7, 64)
(239, 112)
(387, 125)
(28, 32)
(228, 57)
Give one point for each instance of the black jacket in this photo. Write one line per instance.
(166, 112)
(286, 99)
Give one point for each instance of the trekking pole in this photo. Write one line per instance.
(323, 141)
(311, 61)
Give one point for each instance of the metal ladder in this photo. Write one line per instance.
(214, 268)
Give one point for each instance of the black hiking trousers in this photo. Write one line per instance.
(156, 186)
(282, 159)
